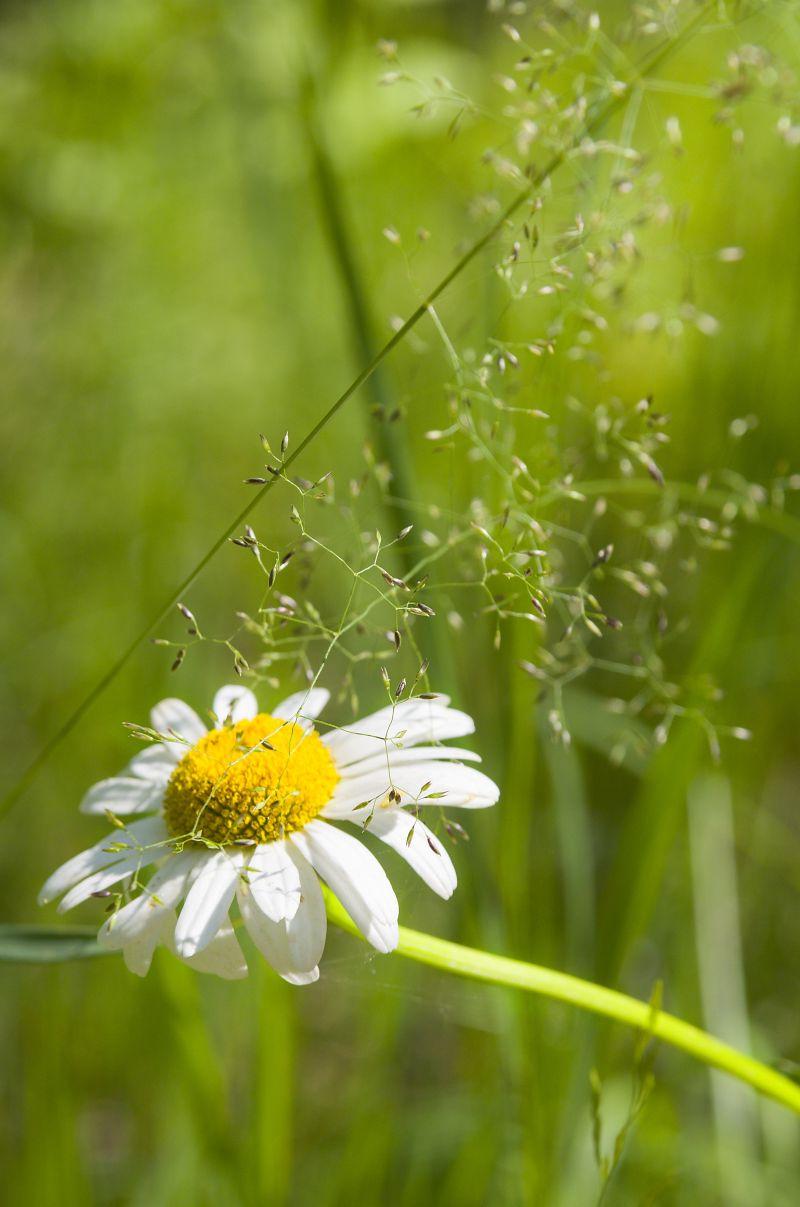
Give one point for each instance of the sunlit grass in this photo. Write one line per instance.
(173, 283)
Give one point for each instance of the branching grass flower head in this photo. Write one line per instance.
(250, 810)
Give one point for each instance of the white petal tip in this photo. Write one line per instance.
(301, 978)
(279, 909)
(384, 940)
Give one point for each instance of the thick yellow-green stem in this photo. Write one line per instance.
(515, 974)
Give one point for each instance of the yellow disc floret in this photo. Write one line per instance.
(256, 780)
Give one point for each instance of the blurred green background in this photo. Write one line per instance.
(169, 288)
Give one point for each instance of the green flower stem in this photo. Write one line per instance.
(515, 974)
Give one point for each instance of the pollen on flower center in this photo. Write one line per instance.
(257, 780)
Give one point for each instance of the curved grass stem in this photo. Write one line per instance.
(515, 974)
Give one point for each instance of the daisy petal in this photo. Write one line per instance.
(357, 879)
(415, 754)
(174, 717)
(308, 928)
(294, 947)
(140, 833)
(156, 762)
(159, 897)
(123, 794)
(302, 978)
(421, 850)
(303, 706)
(274, 881)
(223, 956)
(405, 724)
(207, 902)
(138, 951)
(235, 702)
(98, 882)
(462, 788)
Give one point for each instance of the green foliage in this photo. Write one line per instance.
(211, 217)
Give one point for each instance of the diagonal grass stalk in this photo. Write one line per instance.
(599, 113)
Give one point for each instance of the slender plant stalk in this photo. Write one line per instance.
(391, 436)
(574, 837)
(392, 442)
(721, 976)
(515, 974)
(649, 832)
(599, 114)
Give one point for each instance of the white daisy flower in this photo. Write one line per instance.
(237, 811)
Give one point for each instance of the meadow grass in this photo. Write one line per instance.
(192, 253)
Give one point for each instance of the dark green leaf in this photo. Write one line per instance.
(47, 944)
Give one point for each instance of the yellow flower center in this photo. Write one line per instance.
(256, 780)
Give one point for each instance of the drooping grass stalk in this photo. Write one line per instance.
(560, 986)
(598, 114)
